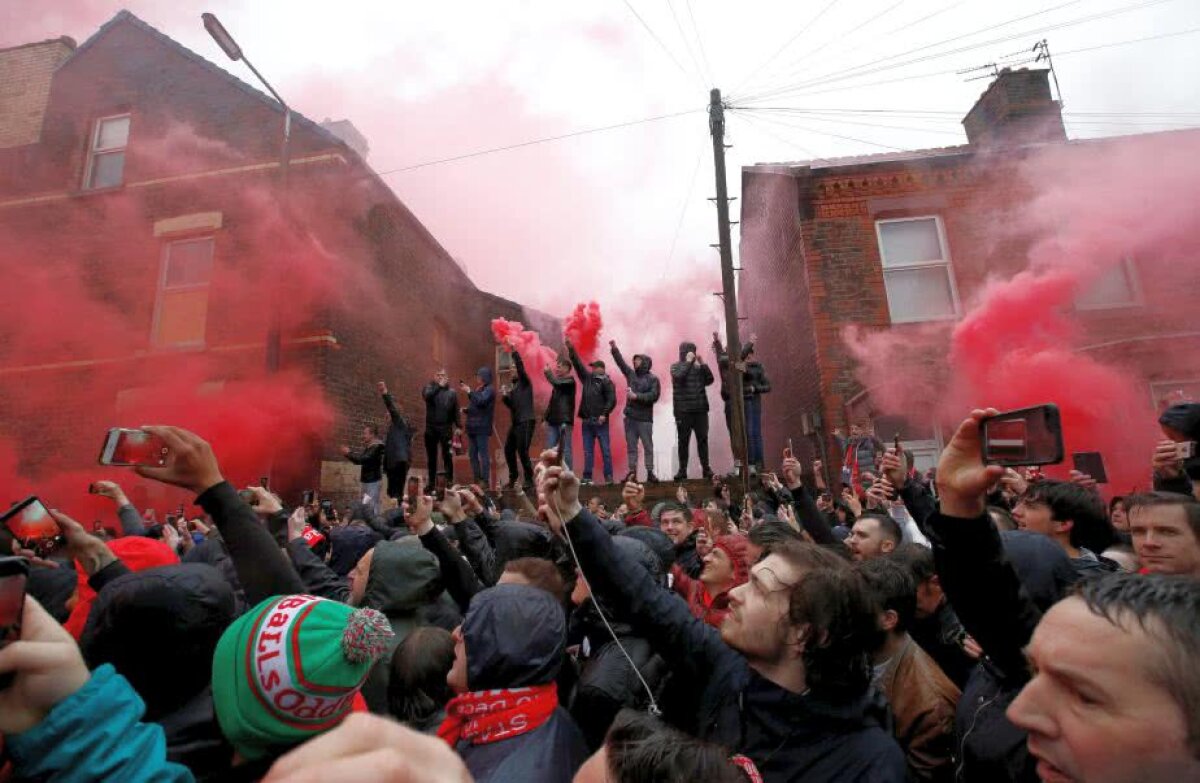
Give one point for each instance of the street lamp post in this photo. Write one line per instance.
(234, 52)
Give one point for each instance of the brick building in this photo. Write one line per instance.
(902, 241)
(146, 182)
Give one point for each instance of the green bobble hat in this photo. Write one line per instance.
(291, 668)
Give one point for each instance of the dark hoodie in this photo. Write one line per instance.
(498, 658)
(639, 406)
(349, 544)
(689, 381)
(159, 628)
(481, 405)
(405, 584)
(999, 584)
(1184, 418)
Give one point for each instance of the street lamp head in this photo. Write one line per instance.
(221, 36)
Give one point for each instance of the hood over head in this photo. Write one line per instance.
(137, 552)
(657, 541)
(403, 578)
(52, 587)
(735, 547)
(747, 349)
(1184, 417)
(1041, 564)
(647, 363)
(499, 658)
(349, 544)
(159, 629)
(484, 374)
(685, 349)
(516, 539)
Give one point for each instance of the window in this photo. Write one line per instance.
(1117, 287)
(916, 269)
(106, 156)
(182, 311)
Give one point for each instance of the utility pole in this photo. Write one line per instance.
(733, 343)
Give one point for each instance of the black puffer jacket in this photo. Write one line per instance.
(561, 408)
(397, 448)
(689, 381)
(599, 396)
(441, 408)
(607, 683)
(499, 658)
(644, 384)
(159, 628)
(754, 380)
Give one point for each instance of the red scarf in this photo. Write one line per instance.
(490, 716)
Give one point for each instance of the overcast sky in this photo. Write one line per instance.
(600, 214)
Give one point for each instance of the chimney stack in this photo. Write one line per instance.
(1015, 109)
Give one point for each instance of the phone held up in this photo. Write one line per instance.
(787, 450)
(31, 524)
(563, 434)
(125, 448)
(14, 573)
(1092, 464)
(1027, 436)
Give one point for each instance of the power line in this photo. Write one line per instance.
(926, 18)
(700, 43)
(532, 142)
(683, 210)
(814, 116)
(786, 44)
(804, 91)
(686, 43)
(834, 135)
(654, 35)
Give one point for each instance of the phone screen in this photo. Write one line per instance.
(440, 489)
(414, 489)
(124, 447)
(307, 498)
(1029, 436)
(13, 574)
(31, 524)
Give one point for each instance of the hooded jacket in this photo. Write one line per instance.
(639, 406)
(397, 448)
(561, 408)
(481, 405)
(441, 409)
(497, 658)
(689, 381)
(520, 397)
(370, 461)
(159, 628)
(599, 396)
(349, 544)
(137, 553)
(999, 585)
(789, 736)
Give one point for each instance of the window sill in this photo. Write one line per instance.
(98, 191)
(936, 320)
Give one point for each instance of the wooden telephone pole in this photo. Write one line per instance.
(733, 343)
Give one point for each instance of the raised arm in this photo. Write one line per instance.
(555, 380)
(389, 402)
(625, 369)
(583, 372)
(457, 576)
(522, 376)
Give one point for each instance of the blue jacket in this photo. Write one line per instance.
(95, 734)
(481, 405)
(498, 658)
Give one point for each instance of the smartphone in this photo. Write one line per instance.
(787, 450)
(1027, 436)
(439, 491)
(563, 434)
(1091, 463)
(31, 524)
(307, 497)
(133, 447)
(413, 490)
(14, 573)
(249, 496)
(327, 508)
(1187, 449)
(896, 444)
(264, 482)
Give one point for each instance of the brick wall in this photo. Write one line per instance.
(25, 76)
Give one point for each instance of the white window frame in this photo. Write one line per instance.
(946, 262)
(1135, 291)
(93, 151)
(163, 289)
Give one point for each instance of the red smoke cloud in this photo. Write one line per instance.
(1019, 343)
(582, 327)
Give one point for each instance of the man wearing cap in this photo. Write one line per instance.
(597, 402)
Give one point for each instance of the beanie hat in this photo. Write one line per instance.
(290, 669)
(747, 349)
(735, 547)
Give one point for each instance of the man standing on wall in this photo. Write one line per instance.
(441, 423)
(690, 379)
(397, 448)
(643, 392)
(596, 404)
(481, 410)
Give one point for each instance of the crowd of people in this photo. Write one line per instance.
(972, 623)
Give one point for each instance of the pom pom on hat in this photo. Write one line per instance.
(366, 636)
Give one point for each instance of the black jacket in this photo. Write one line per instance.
(561, 408)
(599, 396)
(160, 628)
(689, 381)
(441, 408)
(481, 405)
(369, 461)
(499, 658)
(398, 446)
(940, 635)
(999, 588)
(789, 736)
(754, 380)
(639, 406)
(687, 558)
(520, 397)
